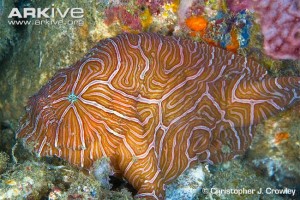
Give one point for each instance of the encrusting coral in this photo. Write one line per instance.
(4, 159)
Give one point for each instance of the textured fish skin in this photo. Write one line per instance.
(155, 106)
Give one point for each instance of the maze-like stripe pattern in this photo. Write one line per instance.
(155, 106)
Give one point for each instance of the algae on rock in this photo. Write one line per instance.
(7, 32)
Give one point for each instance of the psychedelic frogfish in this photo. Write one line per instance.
(155, 106)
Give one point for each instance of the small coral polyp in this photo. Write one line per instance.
(155, 106)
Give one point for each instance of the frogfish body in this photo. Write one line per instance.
(155, 106)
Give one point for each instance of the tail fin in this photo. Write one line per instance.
(250, 101)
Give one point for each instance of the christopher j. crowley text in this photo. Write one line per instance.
(241, 191)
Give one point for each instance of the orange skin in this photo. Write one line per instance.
(155, 106)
